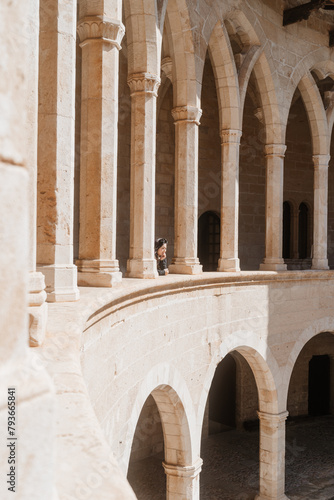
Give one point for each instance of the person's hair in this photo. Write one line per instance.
(159, 242)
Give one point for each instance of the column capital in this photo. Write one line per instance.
(275, 150)
(272, 418)
(230, 136)
(143, 83)
(321, 161)
(187, 114)
(188, 471)
(100, 28)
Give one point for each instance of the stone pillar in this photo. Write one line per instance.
(272, 456)
(185, 259)
(31, 439)
(319, 257)
(183, 481)
(143, 88)
(38, 311)
(273, 260)
(229, 221)
(100, 40)
(56, 149)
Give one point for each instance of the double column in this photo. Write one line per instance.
(100, 40)
(230, 143)
(183, 481)
(319, 260)
(185, 259)
(272, 456)
(143, 89)
(273, 260)
(55, 197)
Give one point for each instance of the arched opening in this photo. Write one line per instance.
(303, 219)
(145, 473)
(161, 444)
(209, 240)
(231, 455)
(165, 153)
(298, 184)
(310, 426)
(209, 173)
(286, 230)
(252, 180)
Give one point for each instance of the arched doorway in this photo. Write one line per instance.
(319, 385)
(209, 240)
(310, 427)
(286, 230)
(303, 223)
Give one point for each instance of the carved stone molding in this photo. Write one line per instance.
(143, 83)
(321, 161)
(258, 113)
(230, 135)
(100, 28)
(166, 67)
(275, 150)
(273, 419)
(329, 99)
(187, 114)
(186, 471)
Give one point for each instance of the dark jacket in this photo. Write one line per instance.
(162, 265)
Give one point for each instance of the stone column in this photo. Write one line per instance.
(319, 260)
(229, 221)
(272, 456)
(56, 149)
(143, 88)
(30, 443)
(185, 259)
(100, 40)
(183, 481)
(273, 260)
(38, 311)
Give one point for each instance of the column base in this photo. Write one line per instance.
(270, 264)
(320, 264)
(100, 273)
(141, 268)
(37, 310)
(228, 265)
(61, 282)
(185, 266)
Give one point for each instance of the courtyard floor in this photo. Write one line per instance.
(230, 465)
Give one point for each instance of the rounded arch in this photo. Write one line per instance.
(316, 328)
(316, 114)
(226, 77)
(175, 406)
(263, 72)
(186, 87)
(144, 36)
(262, 363)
